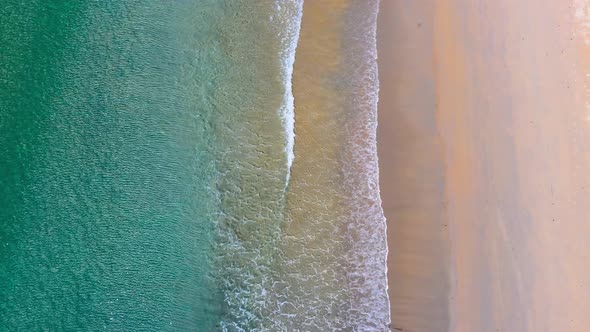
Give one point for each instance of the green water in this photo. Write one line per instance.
(142, 163)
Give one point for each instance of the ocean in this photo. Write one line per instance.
(198, 165)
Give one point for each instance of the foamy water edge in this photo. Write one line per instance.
(367, 224)
(290, 38)
(377, 174)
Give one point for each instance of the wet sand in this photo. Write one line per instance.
(412, 167)
(484, 146)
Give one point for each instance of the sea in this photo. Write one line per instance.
(190, 165)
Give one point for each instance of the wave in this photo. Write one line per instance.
(290, 38)
(304, 250)
(367, 228)
(332, 263)
(256, 138)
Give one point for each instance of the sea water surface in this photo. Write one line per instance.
(150, 178)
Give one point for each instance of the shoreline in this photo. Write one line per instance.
(411, 168)
(333, 207)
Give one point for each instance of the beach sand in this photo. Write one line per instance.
(412, 167)
(484, 143)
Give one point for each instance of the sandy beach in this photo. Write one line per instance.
(412, 167)
(483, 142)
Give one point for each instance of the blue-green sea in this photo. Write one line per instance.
(146, 150)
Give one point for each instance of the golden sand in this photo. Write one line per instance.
(412, 167)
(511, 102)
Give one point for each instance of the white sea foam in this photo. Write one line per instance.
(252, 215)
(290, 38)
(334, 273)
(330, 273)
(367, 225)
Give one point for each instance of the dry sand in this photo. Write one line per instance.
(484, 145)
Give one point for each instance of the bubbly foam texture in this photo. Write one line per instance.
(366, 227)
(255, 141)
(311, 257)
(291, 11)
(331, 272)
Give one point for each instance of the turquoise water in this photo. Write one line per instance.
(133, 156)
(145, 172)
